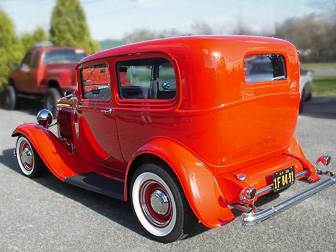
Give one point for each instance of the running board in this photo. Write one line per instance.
(98, 183)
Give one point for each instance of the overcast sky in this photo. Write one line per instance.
(112, 19)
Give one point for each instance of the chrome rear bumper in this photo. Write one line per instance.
(258, 216)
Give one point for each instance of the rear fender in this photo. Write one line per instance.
(197, 181)
(60, 161)
(295, 150)
(62, 76)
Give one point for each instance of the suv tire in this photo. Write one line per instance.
(50, 100)
(10, 99)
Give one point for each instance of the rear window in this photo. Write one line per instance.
(63, 56)
(146, 78)
(264, 67)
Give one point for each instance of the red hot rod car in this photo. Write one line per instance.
(182, 128)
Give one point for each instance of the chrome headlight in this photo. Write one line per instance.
(44, 118)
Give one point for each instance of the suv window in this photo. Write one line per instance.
(96, 82)
(62, 56)
(264, 67)
(35, 59)
(146, 78)
(26, 61)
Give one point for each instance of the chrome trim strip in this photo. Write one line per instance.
(270, 188)
(301, 174)
(264, 190)
(256, 217)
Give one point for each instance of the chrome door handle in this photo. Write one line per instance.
(106, 111)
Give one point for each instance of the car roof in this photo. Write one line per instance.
(210, 69)
(190, 44)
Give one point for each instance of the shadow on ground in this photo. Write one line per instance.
(31, 107)
(320, 107)
(115, 210)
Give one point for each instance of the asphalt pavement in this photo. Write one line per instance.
(324, 72)
(45, 214)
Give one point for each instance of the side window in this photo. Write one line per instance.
(35, 59)
(96, 82)
(146, 78)
(264, 67)
(26, 61)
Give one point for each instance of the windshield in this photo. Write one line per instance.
(63, 56)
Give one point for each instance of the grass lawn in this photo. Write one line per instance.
(320, 65)
(324, 85)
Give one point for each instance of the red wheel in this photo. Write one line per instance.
(156, 202)
(29, 161)
(159, 203)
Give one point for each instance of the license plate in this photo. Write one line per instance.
(283, 179)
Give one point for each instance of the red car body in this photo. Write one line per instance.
(223, 140)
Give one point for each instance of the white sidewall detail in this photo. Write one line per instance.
(157, 231)
(18, 156)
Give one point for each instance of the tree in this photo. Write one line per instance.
(201, 28)
(39, 35)
(145, 34)
(242, 29)
(28, 40)
(139, 35)
(69, 28)
(316, 37)
(10, 48)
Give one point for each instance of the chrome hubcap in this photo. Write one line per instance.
(159, 202)
(155, 204)
(27, 155)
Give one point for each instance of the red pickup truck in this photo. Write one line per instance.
(44, 73)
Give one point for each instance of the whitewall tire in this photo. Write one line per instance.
(29, 161)
(159, 203)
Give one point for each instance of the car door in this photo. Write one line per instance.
(22, 73)
(32, 81)
(98, 139)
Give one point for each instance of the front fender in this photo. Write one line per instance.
(197, 181)
(60, 161)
